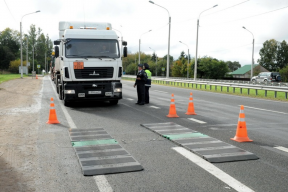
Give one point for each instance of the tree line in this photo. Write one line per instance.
(274, 57)
(207, 67)
(33, 40)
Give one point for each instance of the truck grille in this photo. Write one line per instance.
(94, 72)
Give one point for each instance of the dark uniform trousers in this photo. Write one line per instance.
(147, 94)
(141, 92)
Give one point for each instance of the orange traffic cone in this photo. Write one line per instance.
(241, 132)
(172, 111)
(52, 114)
(36, 77)
(190, 110)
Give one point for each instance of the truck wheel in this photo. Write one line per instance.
(66, 103)
(114, 102)
(60, 91)
(57, 84)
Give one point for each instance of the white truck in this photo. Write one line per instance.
(88, 62)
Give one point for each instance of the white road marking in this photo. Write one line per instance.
(196, 120)
(100, 180)
(215, 171)
(129, 99)
(282, 148)
(102, 183)
(155, 107)
(164, 99)
(160, 91)
(66, 114)
(265, 110)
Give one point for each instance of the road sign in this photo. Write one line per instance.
(163, 68)
(28, 64)
(38, 66)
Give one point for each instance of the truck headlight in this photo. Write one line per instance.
(69, 91)
(117, 90)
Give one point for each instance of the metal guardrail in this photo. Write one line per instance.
(276, 87)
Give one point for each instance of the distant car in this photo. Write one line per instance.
(267, 77)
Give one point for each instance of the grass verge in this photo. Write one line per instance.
(217, 89)
(7, 77)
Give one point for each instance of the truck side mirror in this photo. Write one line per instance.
(124, 43)
(125, 52)
(56, 51)
(57, 42)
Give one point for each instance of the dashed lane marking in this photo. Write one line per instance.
(282, 148)
(196, 120)
(265, 110)
(129, 99)
(212, 169)
(155, 107)
(160, 91)
(102, 183)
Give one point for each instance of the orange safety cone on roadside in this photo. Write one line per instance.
(190, 110)
(241, 132)
(52, 114)
(172, 110)
(36, 77)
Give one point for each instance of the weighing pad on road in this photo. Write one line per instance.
(99, 153)
(209, 148)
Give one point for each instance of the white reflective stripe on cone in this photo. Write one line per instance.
(241, 111)
(172, 102)
(241, 119)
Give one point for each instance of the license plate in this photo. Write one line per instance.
(81, 94)
(108, 93)
(94, 92)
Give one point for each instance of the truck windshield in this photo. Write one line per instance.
(92, 48)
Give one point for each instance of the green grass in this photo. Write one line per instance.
(252, 92)
(7, 77)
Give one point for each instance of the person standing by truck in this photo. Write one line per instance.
(148, 82)
(140, 83)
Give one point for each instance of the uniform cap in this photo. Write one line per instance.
(146, 66)
(140, 65)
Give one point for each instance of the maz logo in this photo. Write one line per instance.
(95, 74)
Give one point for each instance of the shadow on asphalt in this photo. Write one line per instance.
(91, 104)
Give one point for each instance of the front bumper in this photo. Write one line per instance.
(100, 91)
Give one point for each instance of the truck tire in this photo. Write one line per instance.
(60, 91)
(114, 102)
(65, 102)
(57, 83)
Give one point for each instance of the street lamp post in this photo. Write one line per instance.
(140, 44)
(156, 60)
(27, 54)
(195, 66)
(21, 42)
(168, 56)
(33, 56)
(188, 60)
(252, 66)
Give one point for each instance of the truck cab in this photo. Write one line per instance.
(89, 62)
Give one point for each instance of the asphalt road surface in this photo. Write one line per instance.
(167, 167)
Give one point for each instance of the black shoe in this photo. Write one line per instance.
(137, 103)
(141, 104)
(146, 102)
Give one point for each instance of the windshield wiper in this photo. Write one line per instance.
(104, 56)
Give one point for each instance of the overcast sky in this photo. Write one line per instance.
(220, 34)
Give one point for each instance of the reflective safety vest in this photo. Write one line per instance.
(149, 75)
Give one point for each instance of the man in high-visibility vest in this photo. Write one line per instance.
(148, 82)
